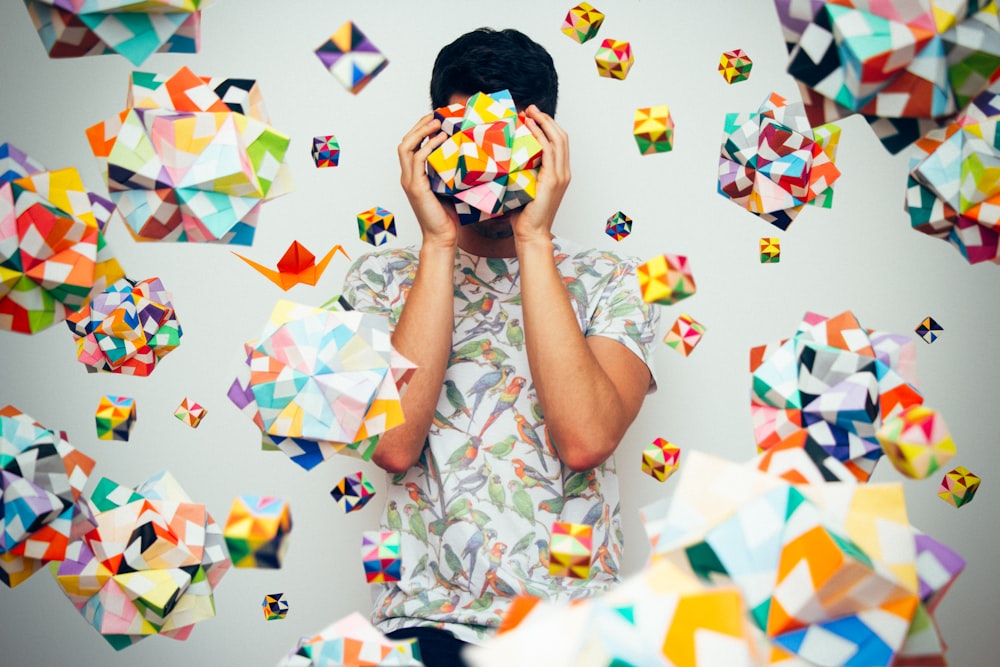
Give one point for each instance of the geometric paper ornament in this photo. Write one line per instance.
(614, 59)
(660, 459)
(380, 555)
(582, 22)
(353, 641)
(654, 129)
(666, 279)
(326, 151)
(297, 266)
(916, 441)
(619, 226)
(685, 334)
(351, 58)
(114, 417)
(958, 487)
(928, 330)
(770, 250)
(190, 413)
(735, 66)
(375, 225)
(257, 531)
(275, 609)
(570, 549)
(353, 492)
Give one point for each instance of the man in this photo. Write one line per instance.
(533, 357)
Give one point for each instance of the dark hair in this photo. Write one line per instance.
(487, 60)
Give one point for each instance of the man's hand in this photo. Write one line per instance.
(535, 220)
(438, 224)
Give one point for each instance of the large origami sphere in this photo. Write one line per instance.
(42, 478)
(52, 250)
(191, 158)
(353, 641)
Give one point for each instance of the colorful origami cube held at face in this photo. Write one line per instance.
(684, 334)
(353, 641)
(190, 413)
(666, 279)
(958, 487)
(43, 477)
(322, 382)
(660, 459)
(489, 162)
(257, 531)
(619, 226)
(735, 66)
(326, 151)
(380, 554)
(376, 225)
(928, 329)
(191, 158)
(916, 441)
(770, 250)
(351, 57)
(582, 22)
(772, 163)
(353, 492)
(614, 59)
(127, 328)
(274, 607)
(570, 549)
(115, 417)
(134, 29)
(654, 129)
(149, 567)
(53, 256)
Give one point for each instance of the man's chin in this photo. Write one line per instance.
(494, 228)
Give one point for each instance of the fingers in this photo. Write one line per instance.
(554, 141)
(417, 144)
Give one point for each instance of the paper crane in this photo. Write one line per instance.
(297, 265)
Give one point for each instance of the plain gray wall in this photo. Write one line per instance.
(860, 255)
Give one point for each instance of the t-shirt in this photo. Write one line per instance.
(476, 512)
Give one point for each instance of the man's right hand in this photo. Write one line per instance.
(438, 222)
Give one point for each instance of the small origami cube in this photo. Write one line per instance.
(375, 225)
(582, 22)
(735, 66)
(614, 59)
(114, 417)
(958, 487)
(380, 554)
(326, 151)
(351, 58)
(257, 531)
(660, 459)
(685, 334)
(654, 129)
(619, 226)
(190, 413)
(666, 279)
(274, 608)
(927, 329)
(570, 549)
(916, 441)
(770, 250)
(353, 492)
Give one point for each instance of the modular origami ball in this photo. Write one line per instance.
(380, 555)
(134, 29)
(322, 382)
(326, 151)
(654, 129)
(257, 531)
(614, 59)
(115, 417)
(685, 334)
(660, 459)
(928, 329)
(582, 22)
(127, 328)
(190, 413)
(191, 158)
(770, 250)
(353, 641)
(149, 567)
(906, 66)
(489, 163)
(376, 225)
(351, 57)
(735, 66)
(571, 548)
(42, 478)
(958, 487)
(275, 609)
(772, 163)
(619, 226)
(53, 256)
(353, 492)
(666, 279)
(916, 441)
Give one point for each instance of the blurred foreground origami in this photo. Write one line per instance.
(376, 225)
(353, 492)
(134, 29)
(614, 59)
(571, 549)
(660, 459)
(772, 163)
(351, 57)
(296, 266)
(685, 334)
(903, 64)
(619, 226)
(958, 487)
(489, 163)
(380, 555)
(322, 382)
(149, 567)
(275, 609)
(582, 22)
(257, 531)
(916, 441)
(191, 158)
(127, 328)
(666, 279)
(115, 417)
(353, 642)
(53, 256)
(326, 151)
(654, 129)
(735, 66)
(41, 495)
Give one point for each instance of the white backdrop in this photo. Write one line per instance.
(860, 255)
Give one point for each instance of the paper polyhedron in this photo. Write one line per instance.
(928, 329)
(190, 413)
(660, 459)
(380, 555)
(42, 478)
(735, 66)
(376, 225)
(685, 334)
(257, 531)
(582, 22)
(297, 266)
(619, 226)
(191, 158)
(351, 57)
(353, 492)
(666, 279)
(53, 256)
(916, 441)
(353, 641)
(149, 567)
(614, 59)
(958, 487)
(115, 417)
(274, 608)
(126, 329)
(770, 250)
(571, 548)
(654, 129)
(326, 151)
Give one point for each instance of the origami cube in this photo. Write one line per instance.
(376, 225)
(190, 413)
(735, 66)
(274, 608)
(570, 549)
(582, 22)
(958, 487)
(619, 226)
(380, 554)
(685, 334)
(350, 641)
(326, 151)
(666, 279)
(928, 330)
(654, 129)
(257, 531)
(351, 57)
(53, 256)
(916, 441)
(614, 59)
(770, 250)
(660, 459)
(114, 417)
(353, 492)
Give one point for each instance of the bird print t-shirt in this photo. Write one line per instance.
(476, 512)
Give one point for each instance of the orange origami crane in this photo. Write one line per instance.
(297, 265)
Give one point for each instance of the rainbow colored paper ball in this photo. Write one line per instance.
(770, 250)
(326, 151)
(666, 279)
(916, 441)
(654, 129)
(190, 413)
(735, 66)
(376, 225)
(958, 487)
(928, 329)
(274, 607)
(571, 549)
(353, 492)
(257, 531)
(614, 59)
(619, 226)
(582, 22)
(115, 417)
(685, 334)
(660, 459)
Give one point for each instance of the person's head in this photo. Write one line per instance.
(487, 60)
